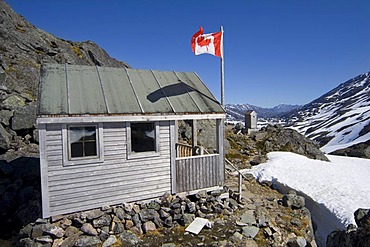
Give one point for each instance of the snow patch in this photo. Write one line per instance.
(338, 188)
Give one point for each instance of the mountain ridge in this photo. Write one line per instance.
(235, 112)
(336, 120)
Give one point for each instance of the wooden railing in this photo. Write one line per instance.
(183, 150)
(240, 178)
(198, 172)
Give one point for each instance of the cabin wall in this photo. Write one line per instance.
(116, 180)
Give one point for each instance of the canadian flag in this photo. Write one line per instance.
(207, 43)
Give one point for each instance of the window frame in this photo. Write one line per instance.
(67, 154)
(146, 154)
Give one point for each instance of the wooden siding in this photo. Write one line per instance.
(115, 180)
(198, 172)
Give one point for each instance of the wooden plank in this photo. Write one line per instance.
(95, 196)
(71, 190)
(90, 180)
(66, 177)
(44, 172)
(63, 209)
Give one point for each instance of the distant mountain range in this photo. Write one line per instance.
(336, 120)
(235, 112)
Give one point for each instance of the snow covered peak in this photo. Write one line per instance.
(339, 118)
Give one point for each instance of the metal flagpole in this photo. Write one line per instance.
(222, 69)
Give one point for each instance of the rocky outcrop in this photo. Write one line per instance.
(353, 236)
(360, 150)
(277, 138)
(251, 149)
(23, 48)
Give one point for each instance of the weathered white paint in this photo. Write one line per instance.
(115, 180)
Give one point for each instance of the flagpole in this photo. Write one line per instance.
(222, 69)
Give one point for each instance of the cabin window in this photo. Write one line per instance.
(82, 144)
(142, 138)
(82, 141)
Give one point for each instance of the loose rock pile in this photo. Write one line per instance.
(123, 223)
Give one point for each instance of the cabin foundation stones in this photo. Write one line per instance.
(125, 223)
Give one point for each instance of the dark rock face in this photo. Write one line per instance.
(23, 48)
(353, 236)
(361, 150)
(20, 195)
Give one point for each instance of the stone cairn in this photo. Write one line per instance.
(124, 223)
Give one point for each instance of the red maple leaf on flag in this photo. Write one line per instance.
(203, 42)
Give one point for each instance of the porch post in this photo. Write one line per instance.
(194, 133)
(220, 129)
(173, 141)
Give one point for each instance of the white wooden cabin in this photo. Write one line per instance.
(109, 135)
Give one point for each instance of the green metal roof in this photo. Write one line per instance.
(80, 90)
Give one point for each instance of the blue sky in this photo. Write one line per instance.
(288, 51)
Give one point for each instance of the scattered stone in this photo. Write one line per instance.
(93, 214)
(236, 237)
(297, 242)
(44, 240)
(104, 220)
(110, 241)
(149, 226)
(89, 229)
(248, 217)
(250, 231)
(88, 241)
(129, 238)
(293, 201)
(55, 232)
(71, 230)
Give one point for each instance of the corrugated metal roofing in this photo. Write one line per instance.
(79, 90)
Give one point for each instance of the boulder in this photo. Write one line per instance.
(110, 241)
(293, 201)
(362, 217)
(5, 116)
(128, 238)
(149, 226)
(13, 102)
(24, 118)
(250, 231)
(104, 220)
(88, 229)
(5, 138)
(88, 241)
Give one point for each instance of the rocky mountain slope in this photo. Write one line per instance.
(339, 118)
(23, 48)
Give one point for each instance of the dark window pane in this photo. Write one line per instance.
(142, 137)
(90, 149)
(90, 133)
(76, 150)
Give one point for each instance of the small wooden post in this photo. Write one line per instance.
(240, 179)
(194, 133)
